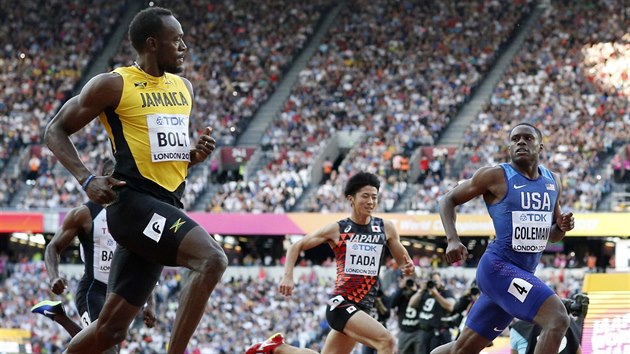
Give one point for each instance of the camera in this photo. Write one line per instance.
(474, 290)
(410, 283)
(577, 306)
(430, 284)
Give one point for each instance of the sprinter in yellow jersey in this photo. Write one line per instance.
(145, 109)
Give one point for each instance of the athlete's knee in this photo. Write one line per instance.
(215, 261)
(111, 333)
(444, 349)
(385, 342)
(559, 323)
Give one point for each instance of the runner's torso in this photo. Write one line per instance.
(149, 131)
(359, 254)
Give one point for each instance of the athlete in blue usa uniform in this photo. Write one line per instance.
(522, 199)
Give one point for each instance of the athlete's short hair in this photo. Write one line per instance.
(538, 133)
(360, 180)
(147, 23)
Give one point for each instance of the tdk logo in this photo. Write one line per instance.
(534, 217)
(364, 247)
(170, 121)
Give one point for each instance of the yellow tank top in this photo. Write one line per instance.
(149, 131)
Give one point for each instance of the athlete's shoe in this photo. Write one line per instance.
(49, 308)
(268, 346)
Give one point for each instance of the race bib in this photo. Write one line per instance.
(108, 245)
(104, 246)
(362, 258)
(530, 230)
(168, 137)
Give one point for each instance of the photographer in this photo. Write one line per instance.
(524, 335)
(408, 320)
(434, 301)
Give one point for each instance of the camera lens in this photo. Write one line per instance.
(410, 283)
(474, 291)
(430, 284)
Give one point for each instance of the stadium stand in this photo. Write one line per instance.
(235, 60)
(397, 80)
(558, 83)
(392, 71)
(240, 306)
(50, 48)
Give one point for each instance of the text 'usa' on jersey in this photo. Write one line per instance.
(523, 218)
(359, 254)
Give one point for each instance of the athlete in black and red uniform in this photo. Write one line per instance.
(358, 243)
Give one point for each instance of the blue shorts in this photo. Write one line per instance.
(507, 291)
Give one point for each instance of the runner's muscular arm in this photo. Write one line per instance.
(563, 222)
(397, 249)
(101, 92)
(77, 220)
(483, 182)
(327, 234)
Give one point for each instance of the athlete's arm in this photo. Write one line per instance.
(101, 92)
(563, 222)
(77, 220)
(327, 234)
(397, 249)
(479, 184)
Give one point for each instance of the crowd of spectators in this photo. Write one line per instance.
(396, 72)
(50, 48)
(560, 82)
(238, 52)
(239, 312)
(276, 187)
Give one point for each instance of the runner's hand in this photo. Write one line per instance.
(407, 268)
(100, 191)
(286, 286)
(204, 147)
(455, 251)
(565, 222)
(149, 317)
(58, 286)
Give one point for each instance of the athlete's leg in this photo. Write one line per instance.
(552, 317)
(68, 324)
(338, 343)
(485, 321)
(108, 331)
(469, 342)
(365, 329)
(131, 281)
(205, 258)
(55, 311)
